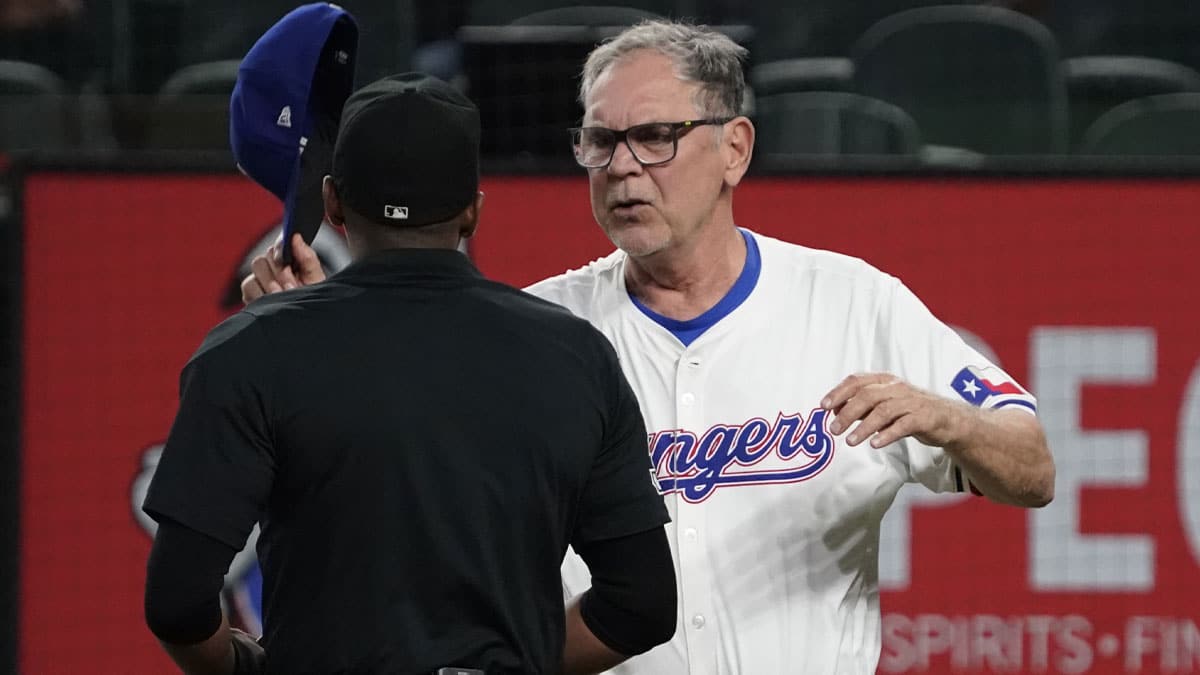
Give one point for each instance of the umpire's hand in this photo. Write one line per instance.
(270, 275)
(249, 658)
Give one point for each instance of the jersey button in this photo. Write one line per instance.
(691, 534)
(698, 621)
(688, 398)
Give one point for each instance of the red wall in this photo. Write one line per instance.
(123, 275)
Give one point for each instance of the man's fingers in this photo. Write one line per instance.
(902, 427)
(880, 395)
(885, 409)
(853, 386)
(265, 274)
(881, 416)
(848, 414)
(285, 278)
(251, 290)
(305, 262)
(849, 387)
(838, 395)
(270, 275)
(282, 273)
(858, 406)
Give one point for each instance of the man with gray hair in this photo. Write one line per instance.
(789, 392)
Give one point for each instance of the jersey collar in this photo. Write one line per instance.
(405, 263)
(687, 331)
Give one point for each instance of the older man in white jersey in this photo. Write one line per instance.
(789, 392)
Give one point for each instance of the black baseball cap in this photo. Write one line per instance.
(407, 151)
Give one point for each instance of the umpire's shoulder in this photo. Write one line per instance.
(547, 325)
(237, 339)
(526, 306)
(282, 303)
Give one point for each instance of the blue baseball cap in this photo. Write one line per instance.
(286, 107)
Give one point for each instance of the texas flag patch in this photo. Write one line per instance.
(989, 387)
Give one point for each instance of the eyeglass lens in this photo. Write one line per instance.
(651, 144)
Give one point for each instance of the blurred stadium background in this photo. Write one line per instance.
(1030, 167)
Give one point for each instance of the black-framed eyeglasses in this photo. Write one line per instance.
(652, 143)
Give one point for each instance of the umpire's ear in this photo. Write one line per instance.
(470, 221)
(333, 202)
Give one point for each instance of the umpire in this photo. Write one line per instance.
(419, 444)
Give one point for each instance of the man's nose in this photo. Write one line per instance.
(623, 161)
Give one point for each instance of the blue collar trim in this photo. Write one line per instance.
(688, 331)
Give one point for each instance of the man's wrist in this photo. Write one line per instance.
(964, 423)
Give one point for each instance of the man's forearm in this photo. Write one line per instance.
(583, 652)
(213, 656)
(1005, 455)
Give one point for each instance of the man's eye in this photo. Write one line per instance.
(598, 140)
(657, 134)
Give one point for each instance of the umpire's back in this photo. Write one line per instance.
(435, 436)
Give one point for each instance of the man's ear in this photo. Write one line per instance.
(471, 219)
(333, 202)
(738, 145)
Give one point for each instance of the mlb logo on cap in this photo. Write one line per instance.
(395, 212)
(286, 107)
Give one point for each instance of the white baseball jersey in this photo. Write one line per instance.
(775, 521)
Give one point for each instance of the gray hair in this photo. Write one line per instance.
(700, 54)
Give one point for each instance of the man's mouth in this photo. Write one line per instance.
(628, 204)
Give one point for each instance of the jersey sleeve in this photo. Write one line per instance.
(621, 495)
(217, 466)
(930, 355)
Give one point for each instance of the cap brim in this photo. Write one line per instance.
(304, 208)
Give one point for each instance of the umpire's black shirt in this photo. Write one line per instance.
(420, 445)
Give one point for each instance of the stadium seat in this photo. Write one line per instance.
(1097, 84)
(191, 110)
(832, 123)
(524, 77)
(1161, 29)
(587, 15)
(802, 74)
(214, 77)
(947, 157)
(213, 30)
(552, 13)
(35, 108)
(1165, 125)
(818, 27)
(977, 77)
